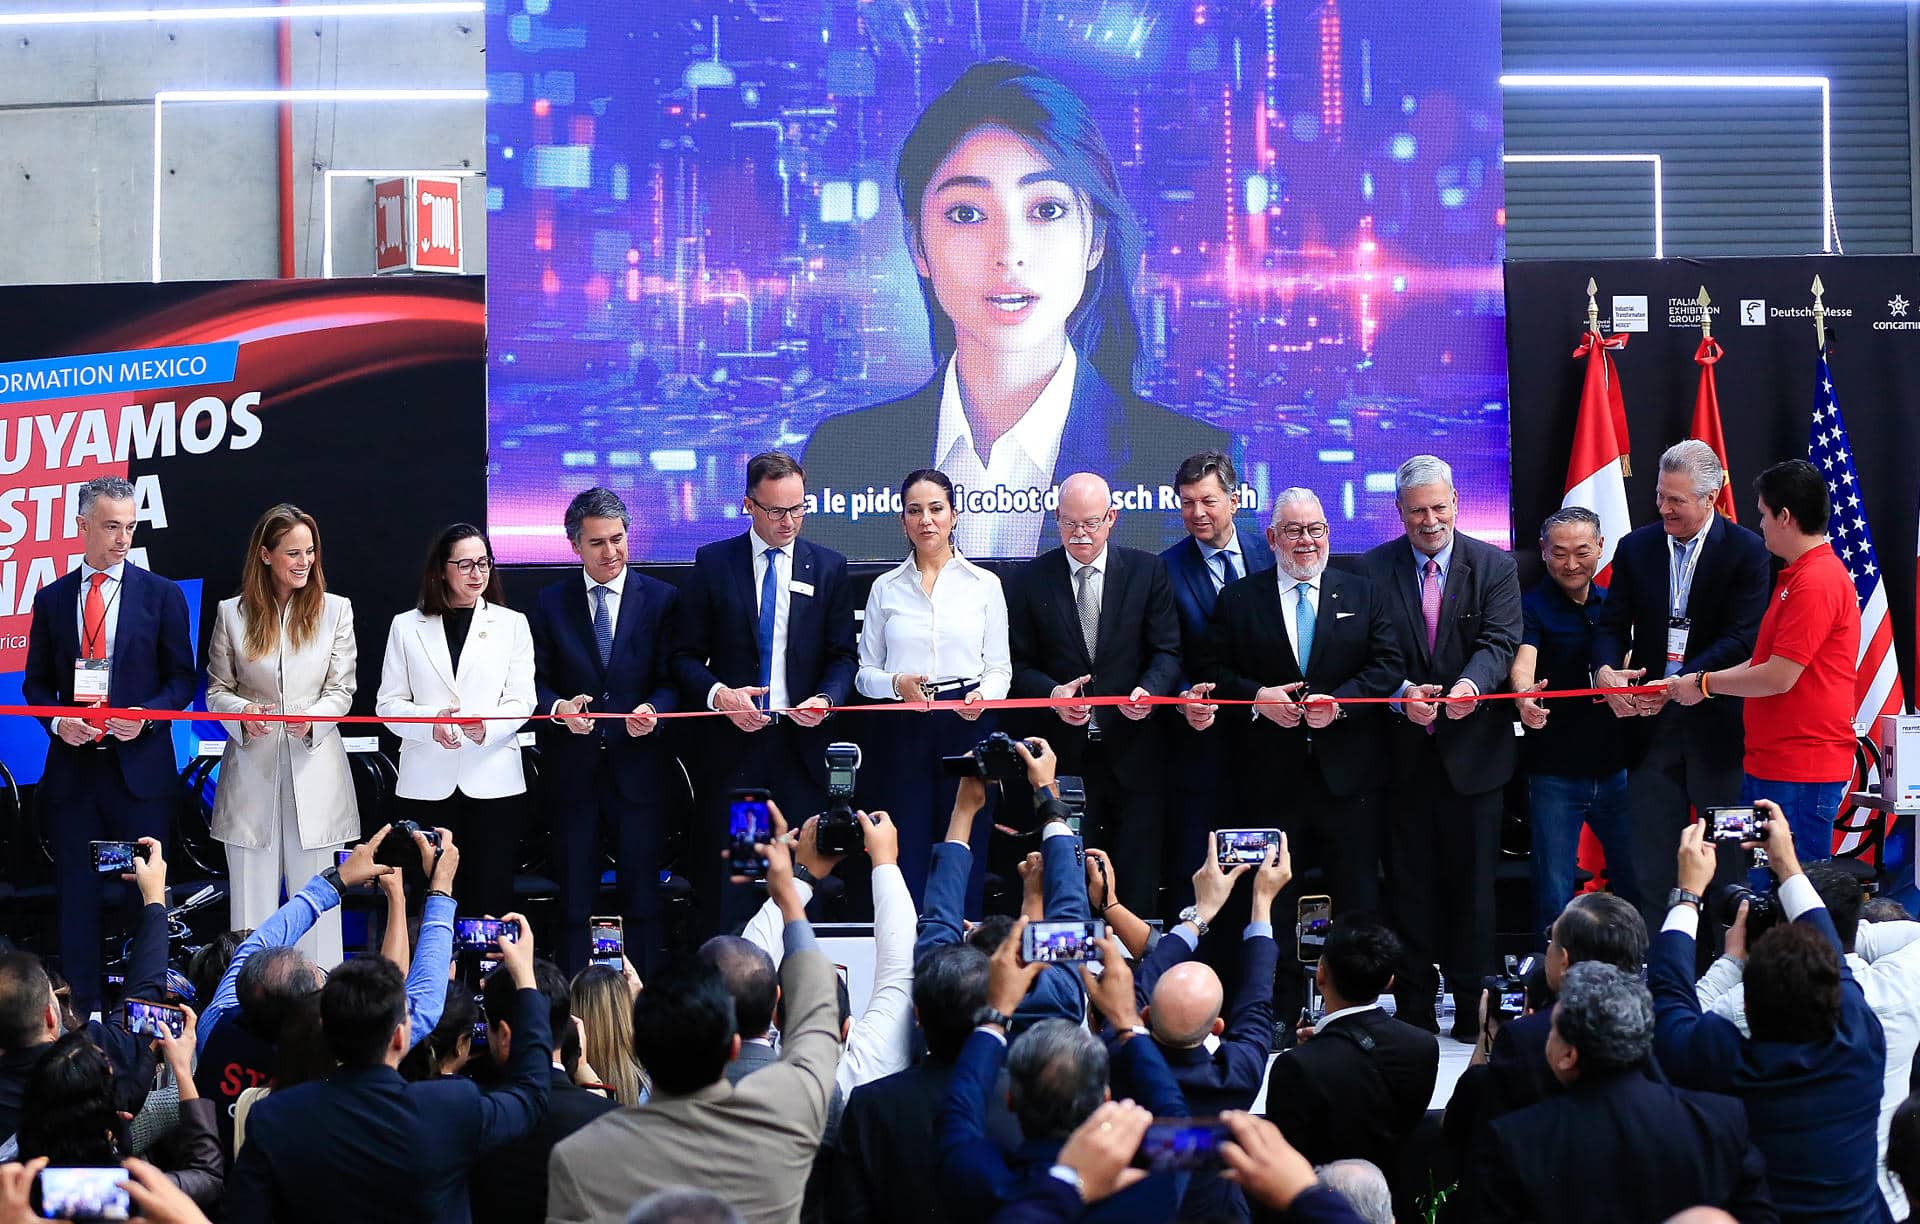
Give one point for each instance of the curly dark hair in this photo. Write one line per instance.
(1793, 985)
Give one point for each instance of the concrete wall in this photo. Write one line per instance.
(77, 134)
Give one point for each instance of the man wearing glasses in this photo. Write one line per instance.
(767, 639)
(1290, 638)
(1092, 620)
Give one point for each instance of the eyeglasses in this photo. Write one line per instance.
(1313, 531)
(780, 514)
(473, 565)
(1089, 526)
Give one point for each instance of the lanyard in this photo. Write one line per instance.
(1680, 582)
(106, 611)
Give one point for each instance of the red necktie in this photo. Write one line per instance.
(93, 643)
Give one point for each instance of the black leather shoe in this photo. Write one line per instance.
(1418, 1013)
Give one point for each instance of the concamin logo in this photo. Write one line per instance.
(1897, 307)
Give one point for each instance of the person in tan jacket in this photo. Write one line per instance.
(751, 1143)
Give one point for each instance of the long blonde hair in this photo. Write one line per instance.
(257, 605)
(604, 1005)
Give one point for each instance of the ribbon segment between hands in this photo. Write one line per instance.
(95, 713)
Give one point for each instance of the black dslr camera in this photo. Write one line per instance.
(1763, 909)
(993, 758)
(839, 829)
(398, 849)
(1507, 992)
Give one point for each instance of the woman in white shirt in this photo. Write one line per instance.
(285, 797)
(461, 651)
(935, 630)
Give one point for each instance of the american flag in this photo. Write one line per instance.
(1877, 679)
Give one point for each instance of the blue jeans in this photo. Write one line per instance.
(1559, 806)
(1809, 808)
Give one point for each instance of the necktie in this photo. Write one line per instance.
(769, 596)
(1430, 611)
(94, 645)
(1087, 600)
(1303, 626)
(602, 626)
(1227, 571)
(1679, 595)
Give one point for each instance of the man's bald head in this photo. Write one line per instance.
(1702, 1215)
(1086, 516)
(1186, 1005)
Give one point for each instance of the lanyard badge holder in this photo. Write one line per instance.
(1679, 588)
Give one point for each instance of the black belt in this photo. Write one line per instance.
(951, 691)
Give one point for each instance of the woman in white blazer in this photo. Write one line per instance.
(285, 798)
(462, 651)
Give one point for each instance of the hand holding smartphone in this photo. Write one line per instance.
(481, 934)
(116, 857)
(81, 1194)
(1061, 942)
(145, 1018)
(1173, 1145)
(609, 941)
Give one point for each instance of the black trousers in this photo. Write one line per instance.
(1200, 796)
(487, 831)
(774, 757)
(1129, 823)
(1660, 790)
(637, 829)
(1440, 856)
(99, 807)
(903, 777)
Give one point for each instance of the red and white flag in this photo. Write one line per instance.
(1596, 470)
(1706, 421)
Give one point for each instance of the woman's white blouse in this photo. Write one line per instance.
(959, 633)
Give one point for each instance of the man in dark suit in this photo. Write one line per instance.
(113, 634)
(1136, 443)
(885, 1169)
(1455, 603)
(600, 645)
(364, 1144)
(1213, 554)
(1687, 594)
(1360, 1084)
(1618, 1145)
(767, 639)
(510, 1186)
(1289, 637)
(1093, 619)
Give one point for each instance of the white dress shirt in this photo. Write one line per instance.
(777, 695)
(1330, 1017)
(110, 592)
(1021, 458)
(616, 587)
(1679, 578)
(957, 633)
(1290, 610)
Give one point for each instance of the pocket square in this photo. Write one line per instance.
(1344, 615)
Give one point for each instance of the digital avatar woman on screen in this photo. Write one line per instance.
(1026, 252)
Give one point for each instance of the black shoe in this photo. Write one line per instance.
(1466, 1029)
(1419, 1014)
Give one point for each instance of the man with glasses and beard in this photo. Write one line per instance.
(1090, 619)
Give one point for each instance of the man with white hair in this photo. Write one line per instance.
(1455, 604)
(1290, 638)
(1092, 619)
(1363, 1185)
(1687, 595)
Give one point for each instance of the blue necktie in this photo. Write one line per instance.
(1674, 666)
(1228, 574)
(602, 626)
(1303, 627)
(769, 596)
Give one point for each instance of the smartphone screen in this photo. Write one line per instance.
(1236, 846)
(1060, 942)
(1734, 823)
(82, 1194)
(608, 941)
(749, 824)
(154, 1019)
(1311, 920)
(476, 934)
(1179, 1144)
(113, 857)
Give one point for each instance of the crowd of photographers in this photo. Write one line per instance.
(1050, 1067)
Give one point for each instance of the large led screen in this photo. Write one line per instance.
(1012, 239)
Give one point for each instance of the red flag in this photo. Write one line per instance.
(1706, 420)
(1597, 468)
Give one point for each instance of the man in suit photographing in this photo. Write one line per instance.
(109, 633)
(600, 642)
(1455, 603)
(1092, 620)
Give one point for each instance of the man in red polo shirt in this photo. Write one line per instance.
(1799, 683)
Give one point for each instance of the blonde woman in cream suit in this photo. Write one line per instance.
(285, 801)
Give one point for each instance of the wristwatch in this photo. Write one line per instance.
(1071, 1176)
(332, 876)
(1192, 914)
(1681, 896)
(991, 1015)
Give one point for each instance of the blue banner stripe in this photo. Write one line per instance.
(114, 373)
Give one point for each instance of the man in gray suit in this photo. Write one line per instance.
(751, 1143)
(754, 983)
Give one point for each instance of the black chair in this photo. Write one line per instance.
(1866, 860)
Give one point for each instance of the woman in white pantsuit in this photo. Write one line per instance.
(460, 650)
(285, 798)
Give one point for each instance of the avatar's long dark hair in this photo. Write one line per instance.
(1104, 327)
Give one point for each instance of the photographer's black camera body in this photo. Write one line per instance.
(839, 829)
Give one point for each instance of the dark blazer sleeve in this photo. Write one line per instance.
(1024, 640)
(694, 646)
(193, 1158)
(1613, 628)
(40, 682)
(1500, 621)
(546, 653)
(842, 656)
(1160, 673)
(1748, 584)
(1695, 1050)
(1248, 1038)
(973, 1173)
(176, 676)
(1215, 661)
(1041, 1199)
(1293, 1096)
(941, 917)
(249, 1189)
(1141, 1068)
(1499, 1194)
(847, 1198)
(1386, 666)
(665, 696)
(516, 1107)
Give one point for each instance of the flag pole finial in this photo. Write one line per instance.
(1706, 319)
(1593, 307)
(1819, 313)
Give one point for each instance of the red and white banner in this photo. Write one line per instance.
(1596, 474)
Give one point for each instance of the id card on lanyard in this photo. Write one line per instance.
(91, 681)
(1679, 590)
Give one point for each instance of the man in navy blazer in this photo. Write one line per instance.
(111, 779)
(1213, 553)
(364, 1144)
(601, 642)
(1455, 605)
(1687, 594)
(770, 655)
